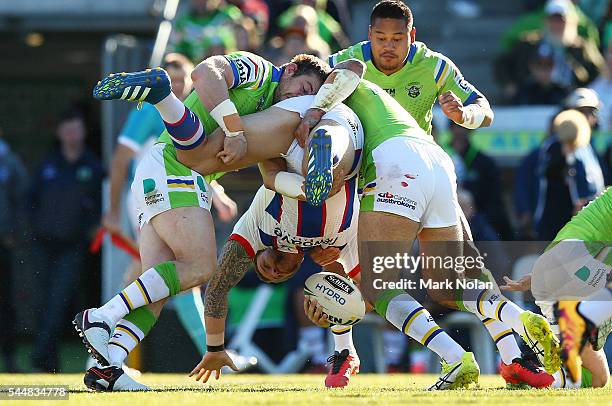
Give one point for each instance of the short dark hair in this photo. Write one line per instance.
(310, 64)
(69, 115)
(392, 9)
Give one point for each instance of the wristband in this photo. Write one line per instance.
(473, 116)
(289, 184)
(331, 94)
(223, 113)
(215, 348)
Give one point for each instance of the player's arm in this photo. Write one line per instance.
(340, 84)
(459, 99)
(225, 205)
(232, 266)
(211, 79)
(275, 177)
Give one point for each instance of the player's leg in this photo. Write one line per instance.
(581, 323)
(401, 309)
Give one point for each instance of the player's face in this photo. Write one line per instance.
(279, 265)
(294, 86)
(390, 39)
(71, 132)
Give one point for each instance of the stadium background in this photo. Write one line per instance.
(53, 51)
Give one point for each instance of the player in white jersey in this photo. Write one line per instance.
(277, 231)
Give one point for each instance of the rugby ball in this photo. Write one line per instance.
(339, 297)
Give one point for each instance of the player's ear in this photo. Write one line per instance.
(369, 33)
(290, 68)
(412, 35)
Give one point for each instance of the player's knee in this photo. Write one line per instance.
(601, 380)
(442, 297)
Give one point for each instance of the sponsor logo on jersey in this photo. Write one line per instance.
(286, 239)
(396, 199)
(463, 84)
(414, 89)
(150, 191)
(339, 284)
(390, 91)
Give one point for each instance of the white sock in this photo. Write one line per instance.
(124, 339)
(171, 108)
(343, 338)
(312, 338)
(395, 343)
(150, 287)
(495, 306)
(562, 380)
(405, 313)
(597, 308)
(504, 339)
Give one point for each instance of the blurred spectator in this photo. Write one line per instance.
(13, 183)
(479, 225)
(569, 174)
(536, 18)
(603, 87)
(300, 37)
(576, 61)
(247, 36)
(65, 196)
(257, 10)
(208, 29)
(539, 87)
(328, 28)
(478, 173)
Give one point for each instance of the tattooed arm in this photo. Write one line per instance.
(233, 264)
(231, 268)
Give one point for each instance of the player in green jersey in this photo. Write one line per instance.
(572, 276)
(177, 236)
(412, 74)
(406, 197)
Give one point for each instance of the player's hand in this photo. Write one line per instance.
(521, 285)
(310, 120)
(212, 361)
(325, 256)
(234, 149)
(315, 313)
(227, 210)
(112, 222)
(452, 106)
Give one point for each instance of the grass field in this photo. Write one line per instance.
(172, 389)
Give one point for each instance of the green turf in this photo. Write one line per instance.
(171, 390)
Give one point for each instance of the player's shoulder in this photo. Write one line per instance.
(361, 50)
(247, 57)
(424, 55)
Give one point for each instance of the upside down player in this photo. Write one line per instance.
(415, 77)
(177, 246)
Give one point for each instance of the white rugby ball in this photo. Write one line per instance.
(339, 297)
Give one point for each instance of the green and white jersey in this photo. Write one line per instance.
(591, 224)
(255, 81)
(425, 75)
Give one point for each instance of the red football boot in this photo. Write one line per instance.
(343, 365)
(523, 372)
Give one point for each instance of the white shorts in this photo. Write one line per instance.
(415, 179)
(566, 271)
(161, 183)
